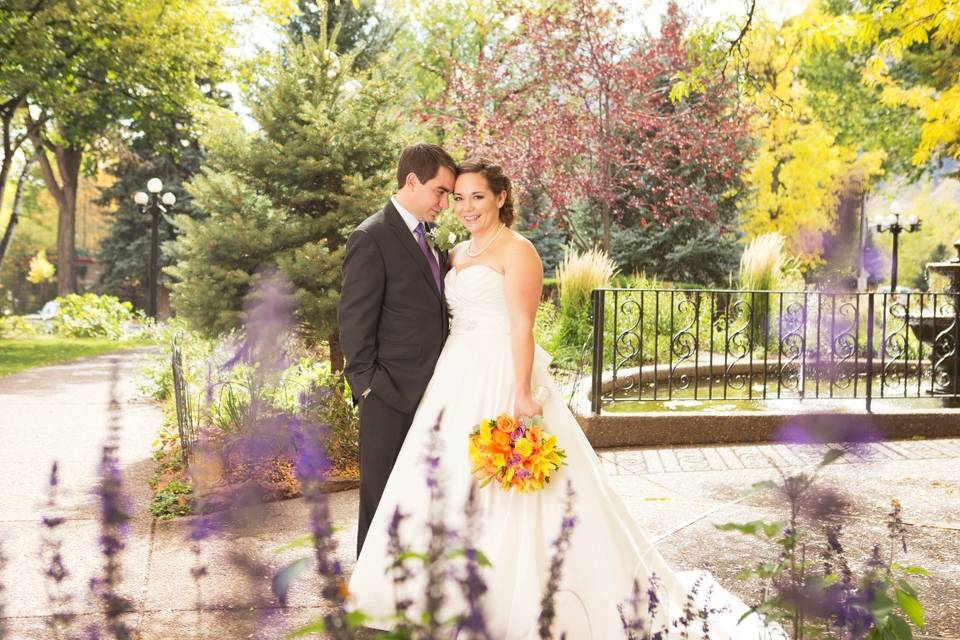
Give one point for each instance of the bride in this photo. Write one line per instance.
(491, 365)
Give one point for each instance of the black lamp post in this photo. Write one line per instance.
(155, 204)
(892, 224)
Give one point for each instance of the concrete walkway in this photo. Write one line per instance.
(676, 494)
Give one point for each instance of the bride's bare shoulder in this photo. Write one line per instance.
(520, 252)
(457, 250)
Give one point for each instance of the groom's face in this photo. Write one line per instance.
(431, 197)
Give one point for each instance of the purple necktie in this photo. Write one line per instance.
(421, 234)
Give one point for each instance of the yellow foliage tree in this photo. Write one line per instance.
(41, 269)
(799, 169)
(888, 33)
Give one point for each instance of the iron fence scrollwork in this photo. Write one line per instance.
(722, 345)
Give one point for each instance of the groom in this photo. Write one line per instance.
(392, 314)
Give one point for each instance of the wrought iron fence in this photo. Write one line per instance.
(705, 345)
(186, 426)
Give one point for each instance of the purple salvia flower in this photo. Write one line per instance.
(896, 526)
(473, 624)
(312, 468)
(853, 434)
(114, 521)
(399, 569)
(560, 546)
(269, 321)
(437, 544)
(51, 548)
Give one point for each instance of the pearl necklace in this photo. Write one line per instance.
(492, 240)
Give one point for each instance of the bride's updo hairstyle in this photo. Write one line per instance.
(499, 183)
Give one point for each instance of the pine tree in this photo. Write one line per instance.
(358, 27)
(288, 196)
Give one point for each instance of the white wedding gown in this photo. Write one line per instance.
(474, 379)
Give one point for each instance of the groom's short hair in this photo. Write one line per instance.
(424, 160)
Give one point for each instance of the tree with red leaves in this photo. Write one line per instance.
(576, 112)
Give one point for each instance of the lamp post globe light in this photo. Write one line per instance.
(154, 204)
(895, 227)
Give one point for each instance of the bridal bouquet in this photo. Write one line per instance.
(515, 452)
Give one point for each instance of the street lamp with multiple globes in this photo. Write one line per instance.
(155, 204)
(892, 224)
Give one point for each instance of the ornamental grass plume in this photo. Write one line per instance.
(581, 273)
(762, 263)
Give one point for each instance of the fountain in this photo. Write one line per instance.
(941, 328)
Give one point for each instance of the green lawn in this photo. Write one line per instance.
(27, 353)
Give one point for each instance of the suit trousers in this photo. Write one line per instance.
(382, 432)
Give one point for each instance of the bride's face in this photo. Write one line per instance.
(475, 204)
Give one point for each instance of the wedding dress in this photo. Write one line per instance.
(474, 379)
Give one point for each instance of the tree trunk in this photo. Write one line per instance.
(605, 213)
(336, 353)
(6, 162)
(15, 209)
(69, 165)
(64, 194)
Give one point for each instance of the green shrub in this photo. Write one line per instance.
(332, 407)
(91, 316)
(155, 378)
(18, 327)
(172, 501)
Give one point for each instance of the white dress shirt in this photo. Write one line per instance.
(412, 223)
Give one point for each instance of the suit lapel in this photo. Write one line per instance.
(407, 242)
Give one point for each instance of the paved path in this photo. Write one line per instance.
(677, 495)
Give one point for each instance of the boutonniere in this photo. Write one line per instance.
(441, 240)
(445, 233)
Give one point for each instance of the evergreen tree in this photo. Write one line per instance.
(686, 250)
(288, 196)
(359, 27)
(125, 252)
(170, 151)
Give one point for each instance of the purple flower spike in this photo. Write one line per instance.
(852, 433)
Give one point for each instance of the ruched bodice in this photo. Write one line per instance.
(476, 301)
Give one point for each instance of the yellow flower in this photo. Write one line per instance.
(485, 433)
(499, 460)
(524, 447)
(549, 444)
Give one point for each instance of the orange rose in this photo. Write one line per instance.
(506, 423)
(535, 436)
(501, 439)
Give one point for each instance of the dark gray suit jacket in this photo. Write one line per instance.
(393, 321)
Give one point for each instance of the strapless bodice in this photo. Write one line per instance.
(476, 300)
